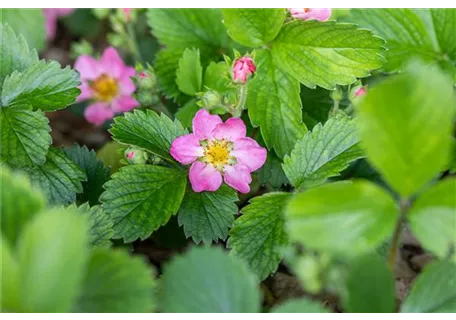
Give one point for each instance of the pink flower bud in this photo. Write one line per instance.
(322, 14)
(360, 92)
(143, 75)
(242, 68)
(130, 155)
(127, 13)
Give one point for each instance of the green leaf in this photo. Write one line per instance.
(272, 173)
(253, 27)
(274, 105)
(444, 21)
(52, 253)
(300, 305)
(405, 126)
(166, 64)
(44, 85)
(141, 198)
(99, 222)
(59, 177)
(259, 234)
(341, 217)
(209, 280)
(97, 174)
(405, 33)
(323, 153)
(189, 75)
(316, 105)
(217, 77)
(9, 278)
(18, 204)
(25, 136)
(433, 218)
(148, 130)
(434, 290)
(207, 216)
(186, 113)
(187, 28)
(14, 52)
(116, 282)
(326, 53)
(368, 293)
(33, 30)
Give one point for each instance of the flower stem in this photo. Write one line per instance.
(404, 206)
(133, 44)
(237, 111)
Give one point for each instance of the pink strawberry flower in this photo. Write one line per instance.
(107, 82)
(311, 14)
(51, 16)
(242, 68)
(218, 150)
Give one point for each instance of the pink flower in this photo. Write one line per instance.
(360, 92)
(130, 155)
(127, 13)
(242, 68)
(51, 16)
(108, 84)
(218, 150)
(311, 14)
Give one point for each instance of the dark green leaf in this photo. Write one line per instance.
(189, 74)
(166, 64)
(186, 113)
(272, 173)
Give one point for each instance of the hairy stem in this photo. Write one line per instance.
(404, 206)
(133, 44)
(241, 102)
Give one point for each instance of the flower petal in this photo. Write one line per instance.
(204, 177)
(186, 149)
(88, 67)
(249, 153)
(126, 84)
(232, 129)
(204, 123)
(124, 104)
(111, 63)
(86, 92)
(238, 177)
(98, 113)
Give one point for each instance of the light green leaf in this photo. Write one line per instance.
(141, 198)
(323, 153)
(14, 52)
(405, 33)
(253, 27)
(217, 77)
(405, 126)
(189, 74)
(25, 136)
(97, 174)
(209, 280)
(207, 216)
(116, 282)
(59, 177)
(33, 31)
(272, 173)
(100, 224)
(186, 113)
(444, 21)
(52, 254)
(259, 234)
(433, 218)
(300, 305)
(274, 105)
(368, 293)
(326, 53)
(434, 290)
(341, 217)
(9, 278)
(19, 203)
(166, 64)
(187, 28)
(43, 85)
(148, 130)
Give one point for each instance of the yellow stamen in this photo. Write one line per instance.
(217, 153)
(105, 88)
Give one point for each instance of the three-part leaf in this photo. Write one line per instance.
(259, 234)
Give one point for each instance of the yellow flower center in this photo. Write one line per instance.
(105, 88)
(218, 153)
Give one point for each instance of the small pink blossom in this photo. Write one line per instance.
(218, 151)
(107, 82)
(321, 14)
(143, 75)
(242, 68)
(51, 16)
(127, 13)
(130, 155)
(360, 92)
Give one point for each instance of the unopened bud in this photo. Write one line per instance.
(242, 69)
(135, 156)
